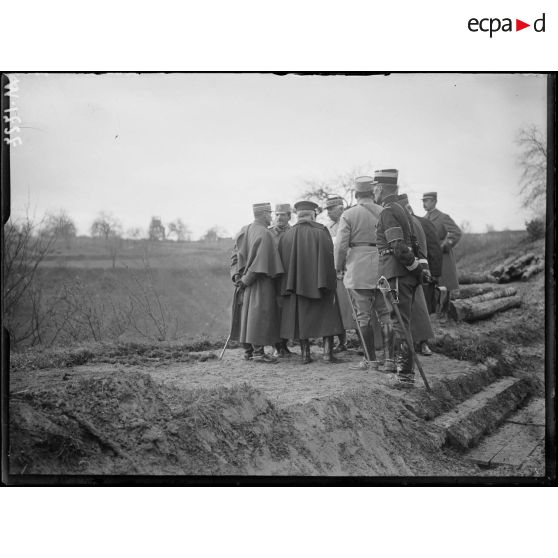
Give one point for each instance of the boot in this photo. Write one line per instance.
(284, 352)
(260, 356)
(305, 351)
(425, 349)
(342, 346)
(248, 351)
(368, 335)
(389, 349)
(328, 350)
(404, 362)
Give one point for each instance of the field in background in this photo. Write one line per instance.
(166, 291)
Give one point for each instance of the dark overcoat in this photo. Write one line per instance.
(308, 287)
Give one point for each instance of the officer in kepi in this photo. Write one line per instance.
(399, 265)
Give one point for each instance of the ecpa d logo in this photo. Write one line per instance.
(492, 25)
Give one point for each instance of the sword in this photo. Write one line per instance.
(394, 304)
(367, 356)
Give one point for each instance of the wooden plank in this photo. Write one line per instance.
(523, 442)
(533, 413)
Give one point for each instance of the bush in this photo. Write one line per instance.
(535, 228)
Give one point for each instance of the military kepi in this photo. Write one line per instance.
(261, 208)
(283, 208)
(386, 176)
(364, 184)
(304, 205)
(332, 201)
(432, 195)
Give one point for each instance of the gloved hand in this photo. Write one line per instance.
(426, 278)
(446, 247)
(340, 275)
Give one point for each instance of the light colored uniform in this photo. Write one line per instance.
(355, 250)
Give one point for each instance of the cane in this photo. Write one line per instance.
(394, 304)
(358, 327)
(234, 310)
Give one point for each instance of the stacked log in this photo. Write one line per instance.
(484, 305)
(519, 268)
(472, 278)
(468, 291)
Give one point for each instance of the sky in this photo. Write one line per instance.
(205, 147)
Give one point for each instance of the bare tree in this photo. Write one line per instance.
(109, 228)
(60, 225)
(532, 159)
(179, 229)
(134, 232)
(23, 250)
(105, 226)
(342, 185)
(214, 234)
(465, 226)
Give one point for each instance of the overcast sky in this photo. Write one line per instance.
(204, 147)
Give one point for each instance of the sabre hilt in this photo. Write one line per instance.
(387, 288)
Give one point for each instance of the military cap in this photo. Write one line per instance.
(305, 204)
(283, 208)
(332, 201)
(364, 184)
(433, 195)
(259, 208)
(386, 176)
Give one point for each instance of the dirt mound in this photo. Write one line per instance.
(128, 424)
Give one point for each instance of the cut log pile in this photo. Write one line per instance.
(478, 302)
(520, 268)
(473, 278)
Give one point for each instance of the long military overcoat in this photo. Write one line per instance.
(256, 259)
(448, 234)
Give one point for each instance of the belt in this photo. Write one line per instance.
(353, 244)
(385, 252)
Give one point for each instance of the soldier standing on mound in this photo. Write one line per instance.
(309, 307)
(281, 226)
(399, 265)
(255, 264)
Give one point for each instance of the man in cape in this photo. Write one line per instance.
(309, 306)
(255, 264)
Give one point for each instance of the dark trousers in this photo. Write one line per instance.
(407, 287)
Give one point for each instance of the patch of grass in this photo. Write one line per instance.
(476, 349)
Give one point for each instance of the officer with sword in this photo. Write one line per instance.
(400, 270)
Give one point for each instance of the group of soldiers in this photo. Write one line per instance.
(377, 268)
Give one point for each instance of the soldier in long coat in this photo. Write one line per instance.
(255, 263)
(355, 251)
(421, 326)
(309, 307)
(435, 257)
(335, 208)
(283, 214)
(449, 235)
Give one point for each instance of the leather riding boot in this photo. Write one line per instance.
(404, 361)
(389, 348)
(342, 346)
(328, 350)
(305, 351)
(248, 351)
(285, 349)
(368, 340)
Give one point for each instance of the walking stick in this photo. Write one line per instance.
(225, 347)
(234, 311)
(394, 303)
(367, 356)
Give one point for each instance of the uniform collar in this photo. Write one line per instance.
(389, 199)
